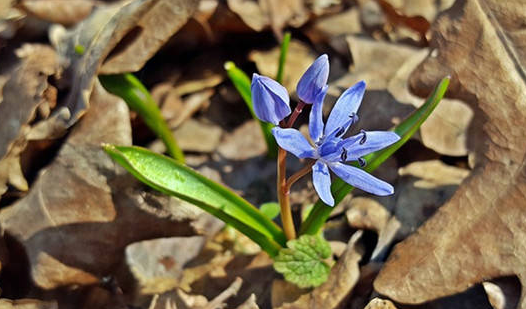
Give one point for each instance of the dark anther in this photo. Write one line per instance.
(364, 137)
(354, 118)
(344, 155)
(340, 132)
(362, 162)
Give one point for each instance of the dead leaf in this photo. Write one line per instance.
(299, 58)
(377, 303)
(22, 94)
(417, 23)
(83, 210)
(134, 25)
(198, 136)
(65, 12)
(328, 28)
(479, 233)
(275, 13)
(334, 292)
(157, 264)
(27, 304)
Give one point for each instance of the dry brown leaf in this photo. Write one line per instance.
(157, 264)
(275, 13)
(479, 233)
(377, 303)
(83, 210)
(336, 290)
(299, 58)
(22, 94)
(65, 12)
(131, 31)
(417, 23)
(27, 304)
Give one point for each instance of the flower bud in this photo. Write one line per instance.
(270, 99)
(313, 80)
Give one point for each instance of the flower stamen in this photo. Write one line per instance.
(364, 137)
(362, 162)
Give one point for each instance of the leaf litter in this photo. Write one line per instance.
(83, 222)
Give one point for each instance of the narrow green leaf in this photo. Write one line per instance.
(283, 57)
(270, 210)
(242, 84)
(133, 92)
(405, 130)
(302, 262)
(168, 176)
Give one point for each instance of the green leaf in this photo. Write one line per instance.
(283, 57)
(168, 176)
(133, 92)
(270, 210)
(405, 130)
(242, 84)
(302, 262)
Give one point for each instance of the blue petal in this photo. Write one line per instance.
(270, 99)
(313, 80)
(374, 140)
(293, 141)
(360, 179)
(322, 182)
(316, 116)
(347, 105)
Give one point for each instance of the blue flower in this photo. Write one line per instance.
(270, 99)
(313, 80)
(331, 150)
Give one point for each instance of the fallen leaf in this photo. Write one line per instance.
(336, 290)
(22, 94)
(479, 233)
(83, 208)
(377, 303)
(116, 38)
(157, 264)
(198, 136)
(328, 28)
(62, 12)
(27, 304)
(417, 23)
(299, 58)
(275, 13)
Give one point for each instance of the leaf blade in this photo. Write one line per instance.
(173, 178)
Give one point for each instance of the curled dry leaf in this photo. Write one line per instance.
(131, 31)
(480, 232)
(336, 290)
(250, 303)
(62, 12)
(83, 210)
(22, 94)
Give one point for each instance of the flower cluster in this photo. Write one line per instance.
(330, 148)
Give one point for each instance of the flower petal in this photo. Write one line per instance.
(373, 141)
(313, 80)
(360, 179)
(316, 116)
(270, 99)
(347, 105)
(322, 182)
(294, 142)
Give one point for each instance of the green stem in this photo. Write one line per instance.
(283, 57)
(133, 92)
